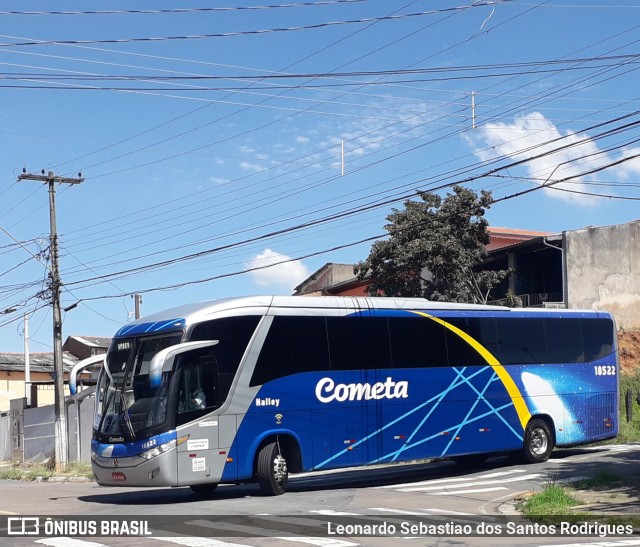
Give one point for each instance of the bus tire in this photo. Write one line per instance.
(538, 442)
(273, 474)
(204, 490)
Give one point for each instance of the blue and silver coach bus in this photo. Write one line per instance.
(250, 389)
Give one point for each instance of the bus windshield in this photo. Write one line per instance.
(127, 405)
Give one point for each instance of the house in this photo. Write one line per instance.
(339, 280)
(12, 373)
(332, 280)
(12, 377)
(83, 347)
(590, 268)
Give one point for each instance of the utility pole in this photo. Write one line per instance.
(138, 300)
(27, 363)
(61, 434)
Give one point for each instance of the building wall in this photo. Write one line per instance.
(12, 387)
(603, 271)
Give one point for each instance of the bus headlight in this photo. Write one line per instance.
(162, 448)
(157, 450)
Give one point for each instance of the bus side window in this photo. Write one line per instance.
(197, 388)
(417, 342)
(359, 343)
(293, 345)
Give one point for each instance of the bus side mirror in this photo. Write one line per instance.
(77, 368)
(163, 360)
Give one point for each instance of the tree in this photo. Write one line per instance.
(433, 248)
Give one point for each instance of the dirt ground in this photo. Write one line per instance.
(629, 346)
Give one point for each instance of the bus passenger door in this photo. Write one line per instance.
(354, 424)
(197, 457)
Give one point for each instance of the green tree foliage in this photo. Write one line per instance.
(432, 250)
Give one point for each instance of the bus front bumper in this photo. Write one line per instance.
(136, 470)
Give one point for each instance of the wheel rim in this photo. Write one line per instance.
(280, 471)
(539, 441)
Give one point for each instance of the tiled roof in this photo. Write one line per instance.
(38, 362)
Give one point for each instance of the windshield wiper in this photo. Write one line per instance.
(127, 420)
(110, 396)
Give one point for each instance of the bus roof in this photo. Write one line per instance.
(189, 314)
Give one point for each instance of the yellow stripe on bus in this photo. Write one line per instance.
(512, 389)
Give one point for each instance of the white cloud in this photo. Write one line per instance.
(277, 270)
(246, 166)
(630, 170)
(534, 135)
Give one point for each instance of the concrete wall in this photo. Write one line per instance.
(82, 422)
(35, 436)
(603, 271)
(39, 433)
(5, 438)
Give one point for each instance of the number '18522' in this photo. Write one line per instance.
(605, 370)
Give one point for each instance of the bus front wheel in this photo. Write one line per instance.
(273, 474)
(538, 442)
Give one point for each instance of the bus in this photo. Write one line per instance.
(251, 389)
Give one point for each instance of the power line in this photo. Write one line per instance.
(370, 206)
(184, 10)
(250, 32)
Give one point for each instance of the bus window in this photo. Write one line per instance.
(598, 338)
(417, 342)
(233, 334)
(564, 340)
(198, 389)
(521, 341)
(359, 343)
(293, 345)
(460, 352)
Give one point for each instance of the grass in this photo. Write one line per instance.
(43, 471)
(629, 431)
(553, 500)
(557, 502)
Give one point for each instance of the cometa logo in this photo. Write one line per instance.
(327, 390)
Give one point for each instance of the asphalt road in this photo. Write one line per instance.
(439, 503)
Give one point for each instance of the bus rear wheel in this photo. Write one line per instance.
(273, 474)
(538, 442)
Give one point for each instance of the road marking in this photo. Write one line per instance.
(190, 541)
(621, 543)
(323, 542)
(447, 512)
(397, 511)
(265, 532)
(468, 484)
(332, 513)
(68, 542)
(454, 479)
(471, 491)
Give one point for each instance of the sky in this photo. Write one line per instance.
(233, 148)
